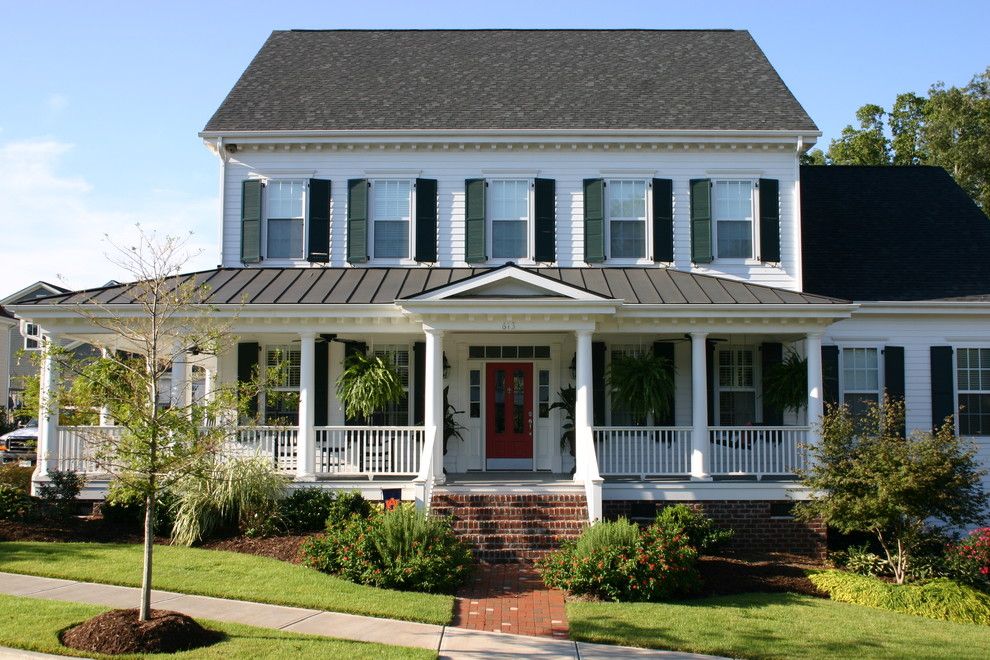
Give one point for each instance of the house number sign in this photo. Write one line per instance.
(508, 326)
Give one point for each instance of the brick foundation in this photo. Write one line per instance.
(756, 527)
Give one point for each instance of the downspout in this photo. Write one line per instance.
(798, 250)
(221, 152)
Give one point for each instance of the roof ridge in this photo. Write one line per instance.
(511, 30)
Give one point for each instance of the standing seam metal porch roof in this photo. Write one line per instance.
(385, 286)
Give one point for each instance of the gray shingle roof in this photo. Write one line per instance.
(386, 285)
(510, 79)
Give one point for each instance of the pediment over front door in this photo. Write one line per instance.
(508, 282)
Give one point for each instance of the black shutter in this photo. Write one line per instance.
(598, 383)
(771, 354)
(943, 390)
(474, 221)
(710, 379)
(251, 215)
(665, 349)
(893, 375)
(701, 221)
(426, 220)
(357, 221)
(419, 382)
(351, 348)
(247, 366)
(769, 220)
(545, 193)
(319, 221)
(322, 375)
(663, 220)
(830, 375)
(594, 220)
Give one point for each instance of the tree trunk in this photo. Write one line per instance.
(149, 538)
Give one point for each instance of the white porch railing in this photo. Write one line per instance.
(75, 449)
(643, 451)
(275, 442)
(757, 450)
(369, 450)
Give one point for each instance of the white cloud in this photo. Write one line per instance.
(52, 228)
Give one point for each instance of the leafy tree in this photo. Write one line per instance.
(867, 477)
(906, 120)
(867, 145)
(813, 157)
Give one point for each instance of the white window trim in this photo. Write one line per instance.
(755, 229)
(526, 260)
(286, 261)
(756, 389)
(392, 261)
(28, 336)
(648, 230)
(955, 382)
(880, 369)
(262, 398)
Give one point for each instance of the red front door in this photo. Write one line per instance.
(509, 394)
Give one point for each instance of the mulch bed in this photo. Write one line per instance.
(86, 529)
(119, 631)
(283, 548)
(774, 573)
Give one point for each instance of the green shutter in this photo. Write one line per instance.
(598, 391)
(943, 390)
(426, 220)
(474, 221)
(771, 354)
(350, 348)
(663, 220)
(545, 193)
(701, 221)
(419, 383)
(247, 366)
(357, 221)
(769, 220)
(893, 375)
(594, 220)
(322, 377)
(830, 374)
(665, 349)
(319, 221)
(251, 211)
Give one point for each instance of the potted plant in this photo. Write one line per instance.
(368, 384)
(642, 384)
(785, 385)
(451, 427)
(567, 401)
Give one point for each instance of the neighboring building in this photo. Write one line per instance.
(504, 212)
(7, 324)
(18, 340)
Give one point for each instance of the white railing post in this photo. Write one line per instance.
(813, 352)
(700, 445)
(47, 411)
(433, 396)
(305, 438)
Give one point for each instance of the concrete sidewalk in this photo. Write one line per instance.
(450, 643)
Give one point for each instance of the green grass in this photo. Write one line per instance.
(34, 625)
(223, 575)
(775, 626)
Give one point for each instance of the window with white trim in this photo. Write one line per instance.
(620, 414)
(32, 336)
(397, 413)
(736, 386)
(282, 369)
(626, 224)
(860, 379)
(391, 218)
(509, 212)
(732, 215)
(286, 218)
(973, 384)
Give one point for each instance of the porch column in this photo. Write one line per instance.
(47, 411)
(433, 396)
(584, 445)
(104, 410)
(306, 435)
(699, 407)
(181, 394)
(813, 352)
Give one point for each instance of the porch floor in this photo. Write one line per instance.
(509, 478)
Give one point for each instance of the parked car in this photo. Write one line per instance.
(20, 445)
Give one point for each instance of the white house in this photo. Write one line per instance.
(502, 212)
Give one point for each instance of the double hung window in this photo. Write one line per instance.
(391, 216)
(509, 212)
(397, 413)
(282, 365)
(973, 382)
(736, 387)
(626, 219)
(732, 210)
(32, 336)
(286, 219)
(860, 379)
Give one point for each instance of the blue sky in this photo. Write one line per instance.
(102, 101)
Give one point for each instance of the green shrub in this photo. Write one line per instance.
(14, 475)
(15, 504)
(305, 510)
(860, 560)
(936, 599)
(345, 506)
(968, 561)
(59, 493)
(399, 549)
(610, 563)
(702, 532)
(126, 508)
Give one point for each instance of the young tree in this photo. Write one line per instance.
(866, 145)
(865, 476)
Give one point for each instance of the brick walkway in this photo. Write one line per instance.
(510, 598)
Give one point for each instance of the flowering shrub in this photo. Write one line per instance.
(659, 563)
(969, 560)
(398, 548)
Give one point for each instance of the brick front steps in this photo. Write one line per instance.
(512, 527)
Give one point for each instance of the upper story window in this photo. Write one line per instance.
(509, 213)
(32, 336)
(391, 217)
(732, 211)
(286, 219)
(860, 379)
(736, 386)
(626, 209)
(973, 379)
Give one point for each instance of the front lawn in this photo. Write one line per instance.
(223, 575)
(34, 625)
(760, 625)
